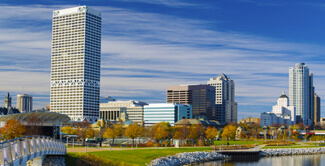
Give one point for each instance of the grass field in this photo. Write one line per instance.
(135, 157)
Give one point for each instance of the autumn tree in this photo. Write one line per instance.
(113, 132)
(177, 135)
(82, 128)
(133, 131)
(90, 133)
(211, 133)
(159, 131)
(185, 132)
(229, 132)
(103, 126)
(12, 129)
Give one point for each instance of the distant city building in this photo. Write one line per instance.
(225, 105)
(322, 121)
(251, 120)
(281, 113)
(198, 121)
(201, 97)
(317, 109)
(7, 101)
(301, 93)
(112, 110)
(75, 66)
(24, 103)
(166, 112)
(106, 99)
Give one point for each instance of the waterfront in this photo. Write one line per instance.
(296, 160)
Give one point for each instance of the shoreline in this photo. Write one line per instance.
(188, 158)
(291, 151)
(202, 157)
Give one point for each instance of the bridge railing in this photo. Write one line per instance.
(26, 148)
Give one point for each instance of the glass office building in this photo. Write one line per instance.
(166, 112)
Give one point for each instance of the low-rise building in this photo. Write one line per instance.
(112, 110)
(166, 112)
(281, 113)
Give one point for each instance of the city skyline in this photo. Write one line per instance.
(145, 49)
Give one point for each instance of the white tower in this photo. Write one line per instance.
(226, 107)
(75, 66)
(300, 90)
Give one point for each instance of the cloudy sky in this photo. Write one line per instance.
(148, 45)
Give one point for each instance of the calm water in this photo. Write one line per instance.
(302, 160)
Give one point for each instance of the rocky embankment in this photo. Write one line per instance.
(292, 151)
(187, 158)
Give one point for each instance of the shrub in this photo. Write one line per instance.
(149, 144)
(165, 143)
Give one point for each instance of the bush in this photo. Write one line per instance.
(165, 143)
(149, 144)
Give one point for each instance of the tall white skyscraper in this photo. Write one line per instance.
(301, 93)
(75, 67)
(225, 105)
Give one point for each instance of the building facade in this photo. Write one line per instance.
(166, 112)
(24, 103)
(112, 110)
(301, 93)
(225, 105)
(75, 65)
(201, 97)
(7, 100)
(317, 109)
(281, 113)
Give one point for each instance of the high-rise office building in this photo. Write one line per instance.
(317, 109)
(75, 66)
(225, 105)
(24, 103)
(201, 97)
(7, 101)
(300, 90)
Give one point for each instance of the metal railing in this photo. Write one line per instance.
(20, 150)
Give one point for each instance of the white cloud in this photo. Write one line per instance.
(146, 52)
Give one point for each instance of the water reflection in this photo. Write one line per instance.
(302, 160)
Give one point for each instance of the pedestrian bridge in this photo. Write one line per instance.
(20, 150)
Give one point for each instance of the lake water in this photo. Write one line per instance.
(300, 160)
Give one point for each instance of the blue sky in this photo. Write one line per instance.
(148, 45)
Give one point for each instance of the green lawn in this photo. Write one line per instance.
(137, 156)
(241, 142)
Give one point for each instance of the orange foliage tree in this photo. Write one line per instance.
(133, 131)
(113, 132)
(211, 133)
(12, 129)
(229, 132)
